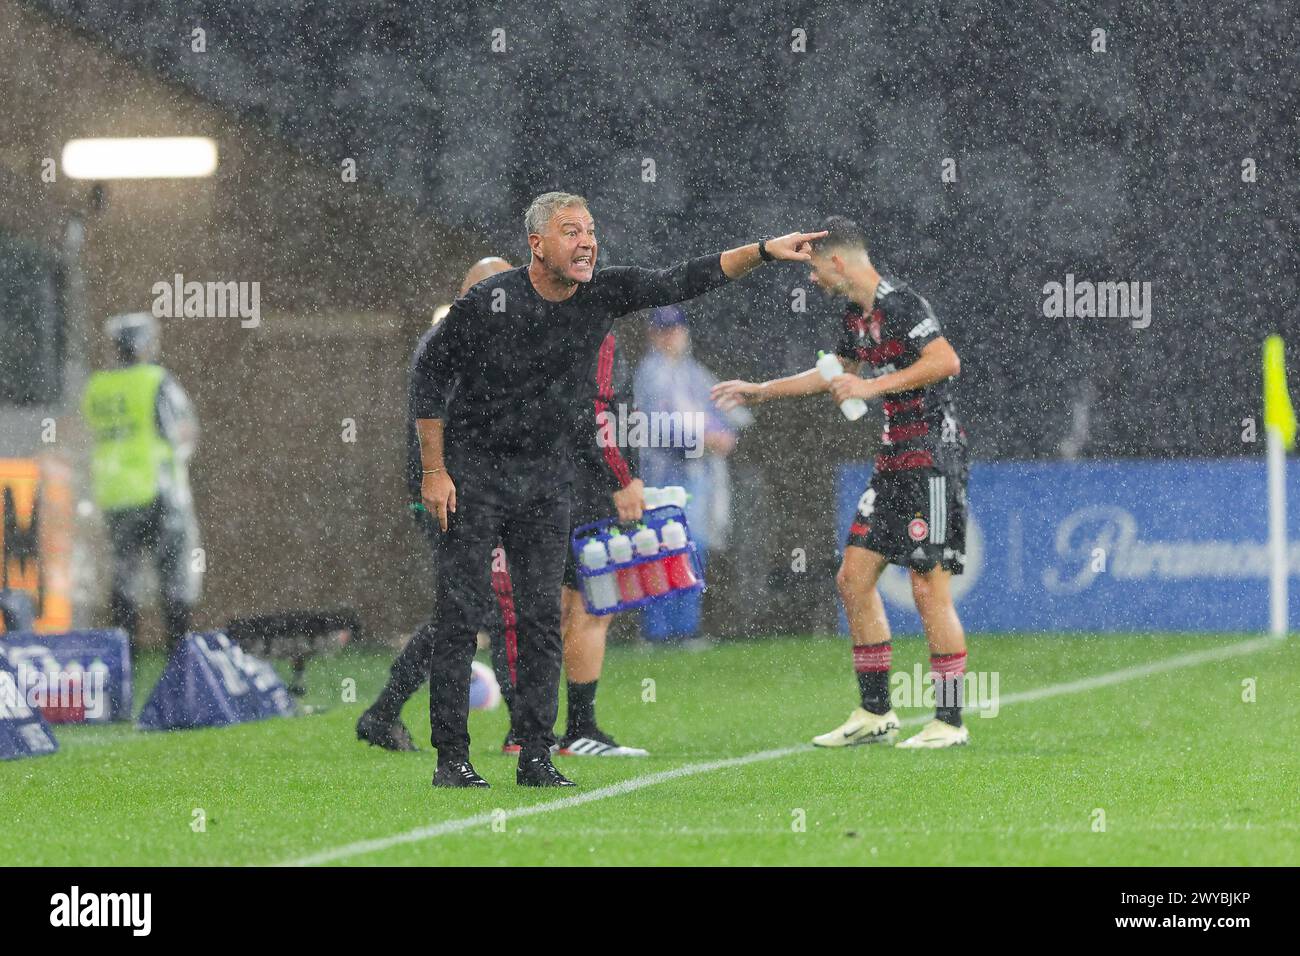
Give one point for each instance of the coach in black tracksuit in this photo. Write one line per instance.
(600, 471)
(495, 393)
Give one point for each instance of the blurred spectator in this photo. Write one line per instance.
(145, 431)
(668, 381)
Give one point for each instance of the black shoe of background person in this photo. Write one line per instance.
(511, 746)
(390, 736)
(457, 774)
(540, 772)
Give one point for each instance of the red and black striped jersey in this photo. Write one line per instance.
(605, 463)
(921, 426)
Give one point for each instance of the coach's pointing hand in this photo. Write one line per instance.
(796, 247)
(438, 493)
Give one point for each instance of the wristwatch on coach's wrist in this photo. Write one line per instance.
(762, 249)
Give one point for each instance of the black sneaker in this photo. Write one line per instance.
(594, 742)
(540, 772)
(390, 736)
(457, 774)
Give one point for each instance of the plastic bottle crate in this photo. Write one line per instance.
(603, 530)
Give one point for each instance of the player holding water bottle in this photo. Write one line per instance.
(913, 513)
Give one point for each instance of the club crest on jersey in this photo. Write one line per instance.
(917, 529)
(861, 326)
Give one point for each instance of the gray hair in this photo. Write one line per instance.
(547, 205)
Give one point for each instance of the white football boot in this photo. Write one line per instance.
(595, 743)
(937, 734)
(862, 727)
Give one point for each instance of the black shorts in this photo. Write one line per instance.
(592, 501)
(915, 518)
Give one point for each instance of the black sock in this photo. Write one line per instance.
(874, 686)
(947, 699)
(582, 707)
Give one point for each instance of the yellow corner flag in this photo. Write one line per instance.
(1278, 412)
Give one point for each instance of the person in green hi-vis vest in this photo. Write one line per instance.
(144, 431)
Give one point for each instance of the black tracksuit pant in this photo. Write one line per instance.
(411, 667)
(525, 507)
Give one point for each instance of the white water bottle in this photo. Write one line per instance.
(602, 590)
(670, 495)
(828, 364)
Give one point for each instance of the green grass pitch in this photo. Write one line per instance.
(1184, 770)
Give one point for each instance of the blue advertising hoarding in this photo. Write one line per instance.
(210, 681)
(23, 731)
(80, 676)
(1108, 546)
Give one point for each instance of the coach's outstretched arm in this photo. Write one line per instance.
(649, 288)
(793, 247)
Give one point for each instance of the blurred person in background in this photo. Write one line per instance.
(144, 432)
(670, 382)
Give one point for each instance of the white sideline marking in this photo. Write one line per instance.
(1140, 670)
(483, 819)
(689, 770)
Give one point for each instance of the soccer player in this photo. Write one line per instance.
(913, 512)
(495, 401)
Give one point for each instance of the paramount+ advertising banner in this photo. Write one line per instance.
(1108, 546)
